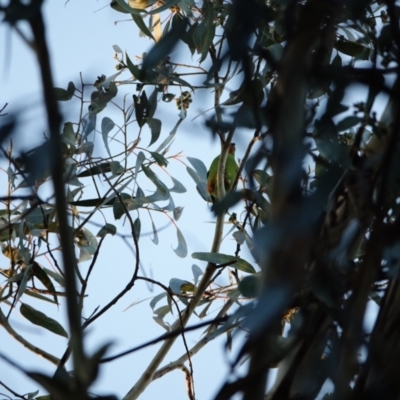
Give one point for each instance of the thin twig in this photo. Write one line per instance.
(173, 334)
(130, 284)
(6, 325)
(197, 347)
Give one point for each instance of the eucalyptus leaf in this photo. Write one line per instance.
(62, 94)
(181, 250)
(250, 286)
(353, 49)
(56, 276)
(178, 187)
(117, 49)
(199, 167)
(43, 277)
(155, 235)
(155, 128)
(153, 102)
(197, 272)
(107, 228)
(178, 213)
(134, 69)
(141, 25)
(154, 178)
(156, 299)
(159, 159)
(170, 137)
(136, 228)
(38, 318)
(107, 125)
(139, 161)
(218, 258)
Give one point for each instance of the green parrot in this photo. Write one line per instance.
(231, 169)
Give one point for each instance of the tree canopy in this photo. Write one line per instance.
(299, 86)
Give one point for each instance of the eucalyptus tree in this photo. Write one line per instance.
(315, 195)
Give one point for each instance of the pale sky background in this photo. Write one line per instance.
(81, 40)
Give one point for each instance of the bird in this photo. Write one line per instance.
(230, 172)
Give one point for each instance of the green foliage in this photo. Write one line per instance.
(38, 318)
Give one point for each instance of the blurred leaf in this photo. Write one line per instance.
(165, 46)
(168, 97)
(156, 299)
(96, 169)
(153, 103)
(169, 138)
(100, 98)
(22, 283)
(155, 236)
(153, 177)
(199, 167)
(86, 148)
(56, 276)
(239, 236)
(89, 124)
(107, 125)
(136, 228)
(139, 161)
(117, 49)
(203, 191)
(31, 395)
(91, 203)
(107, 228)
(204, 33)
(250, 286)
(38, 296)
(161, 322)
(141, 25)
(261, 177)
(353, 49)
(177, 213)
(218, 258)
(62, 94)
(40, 319)
(159, 159)
(276, 51)
(116, 168)
(171, 205)
(71, 88)
(194, 175)
(178, 187)
(197, 272)
(68, 135)
(16, 254)
(348, 123)
(118, 209)
(175, 78)
(155, 128)
(41, 274)
(141, 108)
(134, 69)
(181, 250)
(85, 239)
